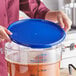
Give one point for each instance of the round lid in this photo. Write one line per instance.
(36, 33)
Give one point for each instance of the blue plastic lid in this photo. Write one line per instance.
(36, 33)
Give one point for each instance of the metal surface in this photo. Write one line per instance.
(69, 7)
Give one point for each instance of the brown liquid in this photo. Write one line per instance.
(16, 69)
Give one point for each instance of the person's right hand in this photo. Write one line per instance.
(4, 34)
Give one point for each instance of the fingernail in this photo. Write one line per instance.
(62, 26)
(11, 33)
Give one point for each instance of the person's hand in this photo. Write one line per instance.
(4, 34)
(59, 17)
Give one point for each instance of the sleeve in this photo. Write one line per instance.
(33, 8)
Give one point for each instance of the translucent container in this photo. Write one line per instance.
(26, 61)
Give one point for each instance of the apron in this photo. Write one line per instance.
(9, 13)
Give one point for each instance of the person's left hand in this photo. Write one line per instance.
(59, 17)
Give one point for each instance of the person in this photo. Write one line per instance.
(9, 13)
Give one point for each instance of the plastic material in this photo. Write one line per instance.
(36, 33)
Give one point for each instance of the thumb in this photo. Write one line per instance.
(8, 32)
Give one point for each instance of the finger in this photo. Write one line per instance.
(8, 32)
(66, 28)
(66, 21)
(67, 24)
(1, 39)
(60, 20)
(4, 35)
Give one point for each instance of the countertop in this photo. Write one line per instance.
(64, 72)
